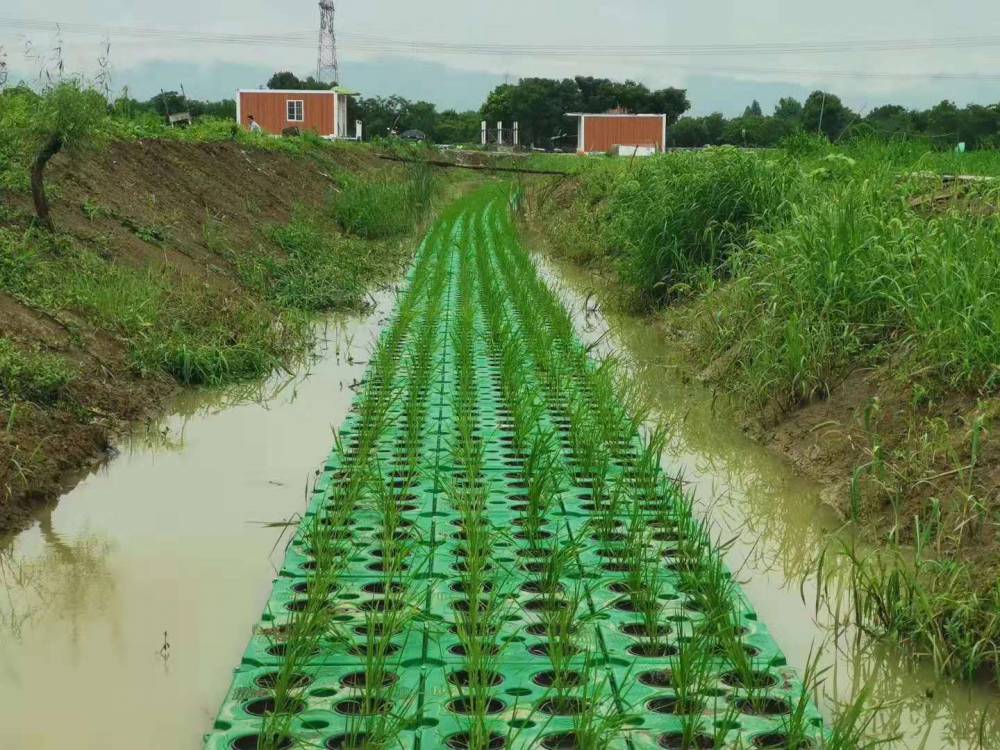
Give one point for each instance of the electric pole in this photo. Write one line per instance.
(327, 65)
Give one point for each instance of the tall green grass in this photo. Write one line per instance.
(854, 273)
(197, 335)
(379, 206)
(672, 222)
(308, 265)
(805, 264)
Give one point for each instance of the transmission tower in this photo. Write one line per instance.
(327, 66)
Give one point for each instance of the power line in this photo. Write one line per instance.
(387, 45)
(360, 39)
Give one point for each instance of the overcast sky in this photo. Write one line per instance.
(716, 82)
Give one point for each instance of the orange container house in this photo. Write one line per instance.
(322, 112)
(620, 133)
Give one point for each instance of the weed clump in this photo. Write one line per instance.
(379, 208)
(674, 223)
(32, 376)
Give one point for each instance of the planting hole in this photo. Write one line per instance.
(679, 741)
(363, 708)
(561, 741)
(750, 681)
(464, 678)
(545, 649)
(269, 681)
(779, 741)
(763, 706)
(267, 706)
(558, 679)
(676, 706)
(467, 706)
(465, 741)
(254, 741)
(642, 630)
(360, 680)
(348, 742)
(660, 678)
(653, 650)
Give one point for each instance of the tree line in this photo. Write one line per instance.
(945, 124)
(540, 106)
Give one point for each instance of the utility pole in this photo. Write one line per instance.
(327, 64)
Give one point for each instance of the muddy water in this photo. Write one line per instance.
(778, 526)
(124, 610)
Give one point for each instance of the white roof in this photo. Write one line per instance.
(607, 114)
(284, 91)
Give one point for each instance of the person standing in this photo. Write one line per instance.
(255, 126)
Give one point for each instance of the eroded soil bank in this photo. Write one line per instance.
(188, 255)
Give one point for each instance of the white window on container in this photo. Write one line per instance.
(296, 110)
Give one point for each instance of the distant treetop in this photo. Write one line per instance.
(287, 80)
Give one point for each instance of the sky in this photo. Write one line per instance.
(413, 62)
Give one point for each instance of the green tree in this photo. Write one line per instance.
(943, 120)
(457, 127)
(789, 109)
(715, 126)
(759, 132)
(753, 110)
(422, 116)
(825, 113)
(540, 104)
(687, 132)
(670, 102)
(691, 132)
(380, 115)
(287, 80)
(68, 118)
(890, 120)
(978, 126)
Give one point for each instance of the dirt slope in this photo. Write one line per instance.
(146, 205)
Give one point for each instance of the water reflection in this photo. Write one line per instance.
(69, 580)
(124, 609)
(777, 527)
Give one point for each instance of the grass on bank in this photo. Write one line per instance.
(797, 266)
(32, 376)
(379, 207)
(171, 325)
(323, 259)
(800, 263)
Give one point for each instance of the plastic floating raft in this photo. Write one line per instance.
(492, 558)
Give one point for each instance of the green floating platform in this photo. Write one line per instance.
(616, 675)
